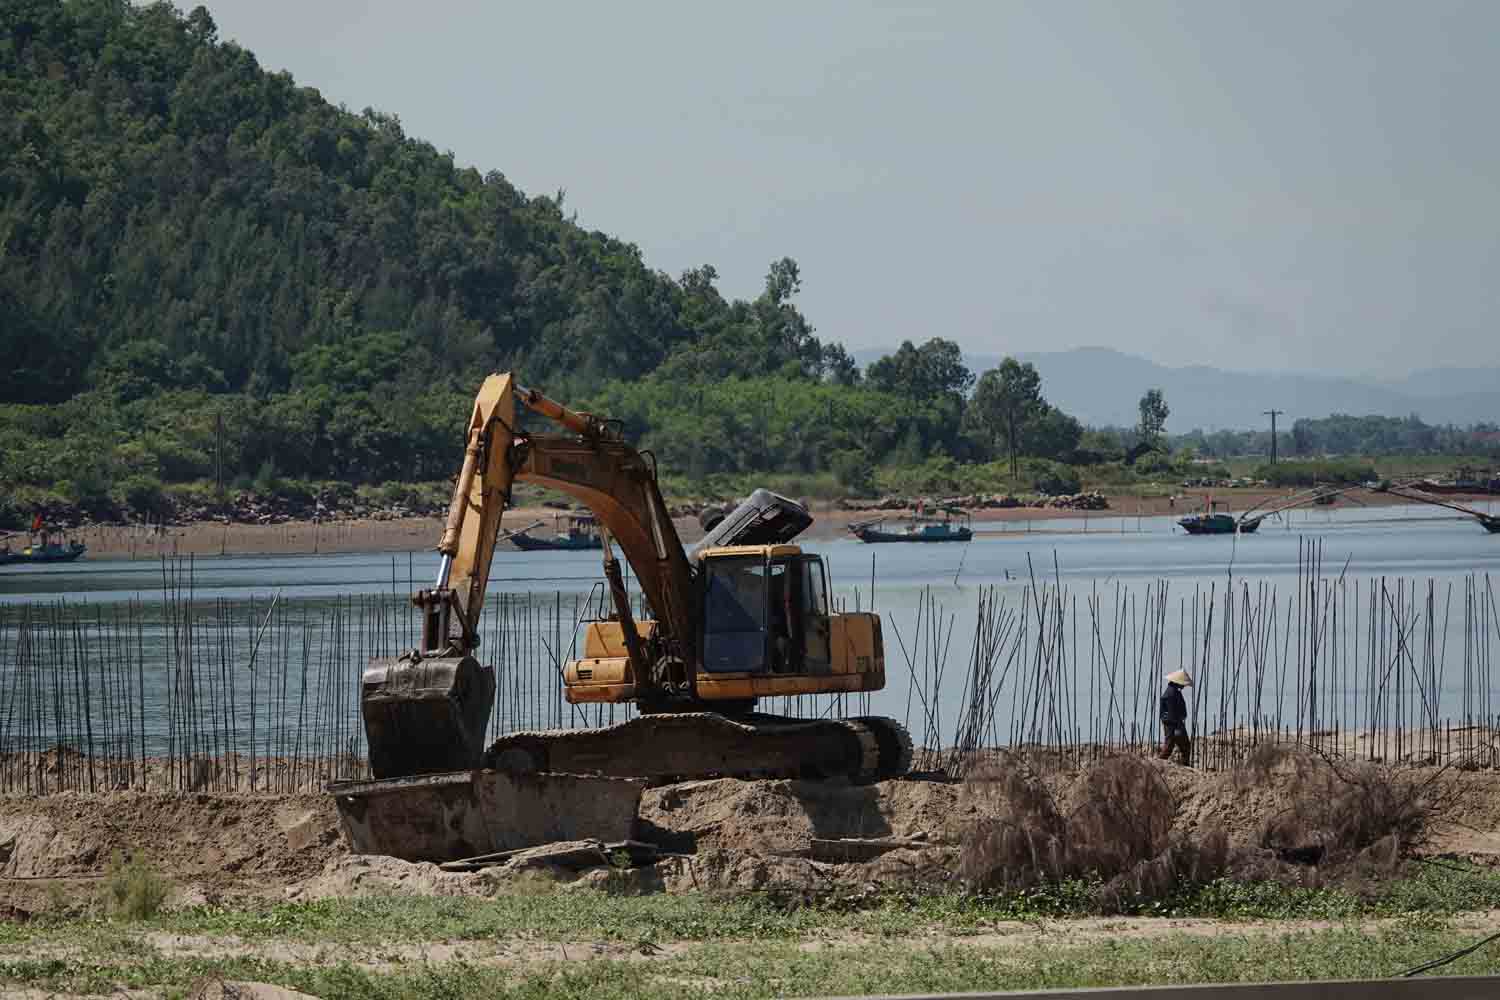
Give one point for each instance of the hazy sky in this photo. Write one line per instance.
(1272, 185)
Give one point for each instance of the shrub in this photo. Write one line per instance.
(133, 889)
(1338, 811)
(1310, 473)
(266, 481)
(854, 471)
(1123, 822)
(143, 494)
(1053, 478)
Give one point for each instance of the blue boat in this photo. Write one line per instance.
(573, 533)
(46, 551)
(953, 526)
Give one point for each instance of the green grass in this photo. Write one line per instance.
(753, 946)
(555, 915)
(752, 970)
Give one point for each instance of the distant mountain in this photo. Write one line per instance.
(1099, 386)
(1447, 381)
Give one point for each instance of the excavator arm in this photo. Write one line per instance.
(595, 467)
(426, 711)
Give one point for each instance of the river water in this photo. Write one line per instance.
(1375, 541)
(1112, 571)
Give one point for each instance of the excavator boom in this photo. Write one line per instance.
(426, 710)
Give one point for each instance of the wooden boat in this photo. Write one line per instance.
(1210, 522)
(1464, 480)
(953, 526)
(1216, 524)
(47, 552)
(572, 533)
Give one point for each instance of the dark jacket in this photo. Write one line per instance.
(1173, 706)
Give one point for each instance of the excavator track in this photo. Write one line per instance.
(682, 746)
(893, 743)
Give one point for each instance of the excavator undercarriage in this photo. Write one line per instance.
(743, 616)
(682, 745)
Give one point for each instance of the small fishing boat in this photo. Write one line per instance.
(1216, 524)
(571, 533)
(952, 526)
(45, 551)
(1209, 522)
(1463, 480)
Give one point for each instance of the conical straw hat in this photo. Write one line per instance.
(1180, 677)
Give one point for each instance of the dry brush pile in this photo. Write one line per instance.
(1133, 830)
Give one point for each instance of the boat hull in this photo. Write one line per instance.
(875, 536)
(1217, 524)
(531, 544)
(1486, 488)
(58, 555)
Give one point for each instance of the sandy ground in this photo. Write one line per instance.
(421, 533)
(725, 834)
(729, 836)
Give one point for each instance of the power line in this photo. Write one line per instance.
(1273, 414)
(1455, 956)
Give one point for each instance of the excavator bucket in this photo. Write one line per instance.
(424, 716)
(430, 801)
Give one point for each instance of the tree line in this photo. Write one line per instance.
(1343, 435)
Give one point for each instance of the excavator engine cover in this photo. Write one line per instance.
(424, 716)
(763, 518)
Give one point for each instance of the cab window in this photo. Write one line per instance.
(735, 606)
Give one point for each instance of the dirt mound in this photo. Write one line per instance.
(770, 817)
(377, 875)
(208, 838)
(1143, 821)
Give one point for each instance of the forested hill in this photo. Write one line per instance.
(207, 271)
(169, 209)
(213, 280)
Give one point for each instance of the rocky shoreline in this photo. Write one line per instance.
(1087, 500)
(250, 508)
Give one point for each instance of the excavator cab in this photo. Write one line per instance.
(765, 612)
(767, 629)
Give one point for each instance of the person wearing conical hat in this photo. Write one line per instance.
(1174, 718)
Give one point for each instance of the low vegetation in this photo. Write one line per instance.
(571, 943)
(133, 889)
(1110, 839)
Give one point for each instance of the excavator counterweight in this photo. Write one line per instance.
(744, 615)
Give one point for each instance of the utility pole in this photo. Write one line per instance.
(1273, 414)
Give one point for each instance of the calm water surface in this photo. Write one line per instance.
(1105, 556)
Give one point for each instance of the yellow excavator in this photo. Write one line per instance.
(744, 615)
